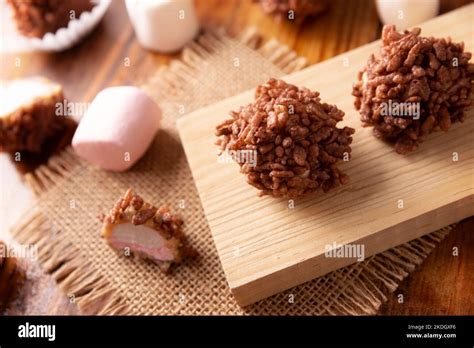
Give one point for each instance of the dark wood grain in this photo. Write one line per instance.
(444, 284)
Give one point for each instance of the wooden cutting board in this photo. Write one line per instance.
(265, 245)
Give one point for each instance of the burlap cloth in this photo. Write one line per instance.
(71, 194)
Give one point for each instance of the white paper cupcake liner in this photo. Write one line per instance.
(61, 40)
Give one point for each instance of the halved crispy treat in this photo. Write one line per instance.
(28, 113)
(11, 277)
(146, 231)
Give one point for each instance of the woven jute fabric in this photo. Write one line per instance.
(71, 194)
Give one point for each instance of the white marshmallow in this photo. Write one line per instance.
(163, 25)
(117, 128)
(406, 13)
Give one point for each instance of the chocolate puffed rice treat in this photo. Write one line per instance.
(418, 85)
(28, 114)
(12, 277)
(35, 18)
(294, 140)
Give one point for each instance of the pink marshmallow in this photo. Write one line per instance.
(117, 128)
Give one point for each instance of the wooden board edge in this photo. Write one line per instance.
(183, 120)
(249, 291)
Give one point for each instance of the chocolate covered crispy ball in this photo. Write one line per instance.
(293, 9)
(287, 142)
(416, 86)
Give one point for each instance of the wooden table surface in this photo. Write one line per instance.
(444, 284)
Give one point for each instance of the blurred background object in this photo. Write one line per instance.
(297, 10)
(406, 13)
(38, 17)
(162, 25)
(48, 25)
